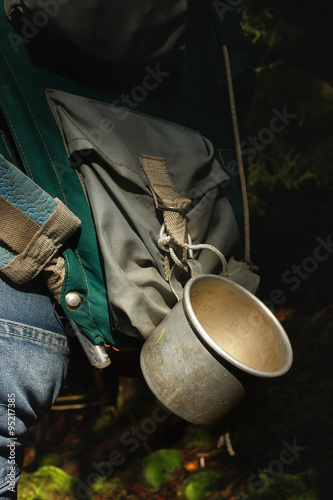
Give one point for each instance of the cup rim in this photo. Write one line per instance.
(210, 343)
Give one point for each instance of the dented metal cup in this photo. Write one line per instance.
(217, 336)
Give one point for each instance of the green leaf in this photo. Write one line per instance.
(47, 483)
(158, 465)
(201, 483)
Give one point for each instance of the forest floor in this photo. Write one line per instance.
(276, 446)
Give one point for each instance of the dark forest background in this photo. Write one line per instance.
(290, 189)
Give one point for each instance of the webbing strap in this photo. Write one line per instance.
(39, 249)
(168, 200)
(16, 228)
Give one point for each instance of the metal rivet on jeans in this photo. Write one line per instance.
(73, 300)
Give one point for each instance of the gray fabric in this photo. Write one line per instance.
(119, 31)
(241, 274)
(123, 208)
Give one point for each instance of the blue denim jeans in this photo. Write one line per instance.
(34, 354)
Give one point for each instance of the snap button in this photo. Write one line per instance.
(73, 300)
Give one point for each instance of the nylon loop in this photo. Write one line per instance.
(165, 196)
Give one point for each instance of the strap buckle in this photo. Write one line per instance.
(171, 208)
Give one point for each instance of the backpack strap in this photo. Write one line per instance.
(172, 205)
(33, 228)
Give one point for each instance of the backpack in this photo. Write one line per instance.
(89, 163)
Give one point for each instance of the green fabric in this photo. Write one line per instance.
(40, 147)
(200, 102)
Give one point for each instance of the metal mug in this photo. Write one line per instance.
(216, 337)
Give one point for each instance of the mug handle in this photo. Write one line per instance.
(178, 277)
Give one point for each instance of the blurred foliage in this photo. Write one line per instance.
(200, 437)
(47, 483)
(289, 44)
(285, 486)
(201, 483)
(290, 179)
(157, 466)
